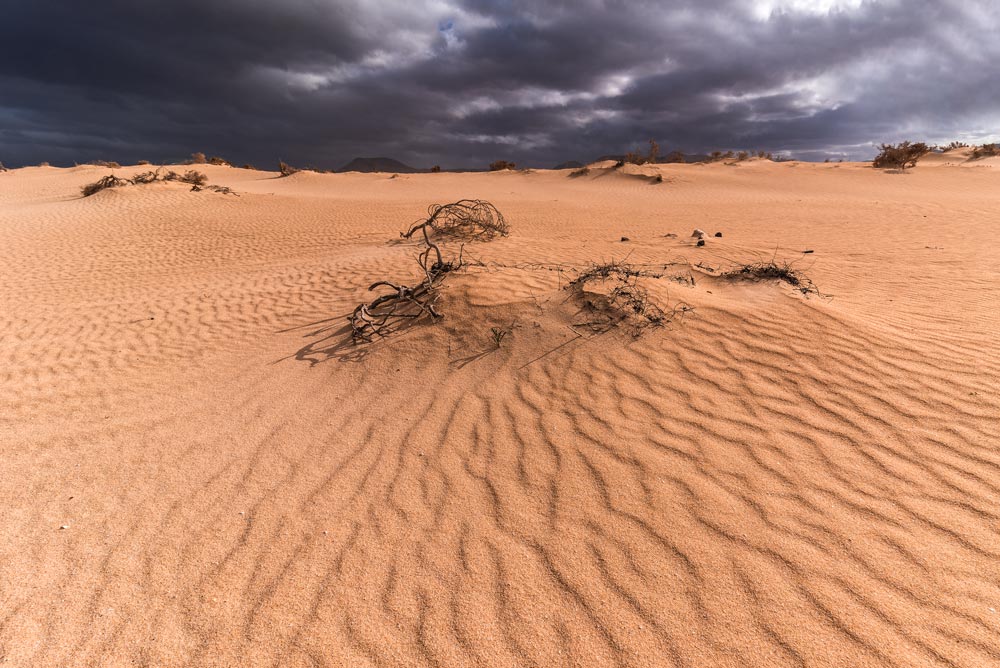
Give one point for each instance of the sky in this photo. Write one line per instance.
(460, 83)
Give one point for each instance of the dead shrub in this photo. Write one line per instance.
(899, 156)
(216, 160)
(225, 190)
(954, 146)
(2, 168)
(618, 298)
(143, 162)
(576, 173)
(104, 163)
(109, 181)
(196, 159)
(501, 165)
(771, 271)
(470, 219)
(435, 169)
(286, 169)
(675, 157)
(249, 166)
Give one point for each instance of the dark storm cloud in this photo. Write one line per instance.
(464, 82)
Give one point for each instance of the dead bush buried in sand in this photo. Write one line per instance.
(195, 178)
(468, 219)
(620, 299)
(772, 271)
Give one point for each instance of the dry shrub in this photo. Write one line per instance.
(899, 156)
(249, 166)
(637, 158)
(109, 181)
(286, 169)
(216, 160)
(619, 299)
(435, 169)
(44, 164)
(104, 163)
(954, 146)
(576, 173)
(197, 159)
(143, 162)
(2, 168)
(675, 157)
(470, 219)
(225, 190)
(500, 165)
(771, 271)
(985, 151)
(405, 304)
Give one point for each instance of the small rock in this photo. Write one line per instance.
(670, 235)
(718, 235)
(624, 238)
(808, 251)
(701, 242)
(698, 233)
(64, 526)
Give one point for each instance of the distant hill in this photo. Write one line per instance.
(379, 165)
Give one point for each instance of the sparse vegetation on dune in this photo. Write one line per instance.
(104, 163)
(985, 151)
(501, 165)
(191, 176)
(899, 156)
(953, 146)
(196, 159)
(143, 162)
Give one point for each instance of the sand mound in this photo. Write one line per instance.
(200, 468)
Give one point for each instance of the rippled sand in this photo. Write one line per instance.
(773, 480)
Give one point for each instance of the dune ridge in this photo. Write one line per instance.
(772, 480)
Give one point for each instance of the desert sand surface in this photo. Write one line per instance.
(198, 467)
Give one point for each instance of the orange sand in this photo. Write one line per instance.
(772, 481)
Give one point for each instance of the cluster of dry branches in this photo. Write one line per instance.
(472, 220)
(620, 299)
(772, 271)
(197, 179)
(469, 219)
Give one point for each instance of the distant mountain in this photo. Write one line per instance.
(572, 164)
(379, 165)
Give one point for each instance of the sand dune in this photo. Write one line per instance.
(773, 479)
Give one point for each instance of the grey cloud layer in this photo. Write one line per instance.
(461, 83)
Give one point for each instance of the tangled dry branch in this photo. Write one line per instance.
(773, 271)
(625, 301)
(387, 312)
(470, 219)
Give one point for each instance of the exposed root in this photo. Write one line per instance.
(470, 219)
